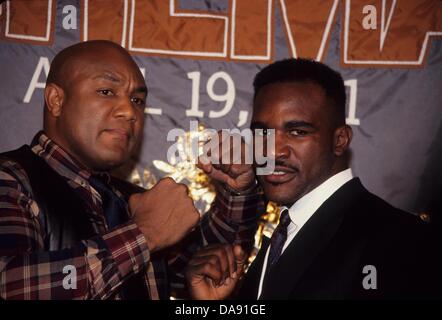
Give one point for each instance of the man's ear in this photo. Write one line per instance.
(342, 139)
(54, 98)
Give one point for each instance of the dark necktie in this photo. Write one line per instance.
(114, 208)
(278, 239)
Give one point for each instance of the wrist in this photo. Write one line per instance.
(150, 242)
(242, 191)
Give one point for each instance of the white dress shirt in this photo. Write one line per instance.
(303, 209)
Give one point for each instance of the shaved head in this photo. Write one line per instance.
(73, 57)
(94, 103)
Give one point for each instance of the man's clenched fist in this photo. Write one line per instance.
(164, 214)
(227, 160)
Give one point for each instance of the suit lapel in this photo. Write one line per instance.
(314, 236)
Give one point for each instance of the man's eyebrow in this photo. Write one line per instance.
(108, 76)
(298, 123)
(113, 78)
(142, 89)
(288, 125)
(258, 125)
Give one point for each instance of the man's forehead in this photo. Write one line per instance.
(289, 90)
(282, 121)
(86, 59)
(287, 117)
(112, 71)
(287, 107)
(287, 98)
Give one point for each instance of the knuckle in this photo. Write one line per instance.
(196, 218)
(192, 217)
(228, 250)
(190, 221)
(190, 202)
(167, 180)
(214, 260)
(208, 267)
(182, 187)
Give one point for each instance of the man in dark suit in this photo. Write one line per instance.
(335, 239)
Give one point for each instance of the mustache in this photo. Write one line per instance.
(280, 164)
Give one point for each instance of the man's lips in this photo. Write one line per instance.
(280, 175)
(120, 134)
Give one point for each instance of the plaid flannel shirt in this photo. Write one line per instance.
(105, 261)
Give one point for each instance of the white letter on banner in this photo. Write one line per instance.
(43, 63)
(194, 111)
(228, 96)
(351, 119)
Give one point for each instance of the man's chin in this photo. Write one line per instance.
(112, 160)
(280, 194)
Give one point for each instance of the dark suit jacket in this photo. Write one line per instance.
(352, 229)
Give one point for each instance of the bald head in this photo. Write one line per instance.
(79, 56)
(94, 103)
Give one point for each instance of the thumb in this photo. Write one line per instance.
(204, 164)
(134, 202)
(240, 259)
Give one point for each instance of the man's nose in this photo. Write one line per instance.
(125, 109)
(281, 148)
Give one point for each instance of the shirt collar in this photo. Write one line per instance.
(302, 210)
(59, 159)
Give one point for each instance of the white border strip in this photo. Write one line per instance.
(328, 27)
(179, 52)
(86, 20)
(25, 37)
(325, 34)
(288, 30)
(1, 12)
(123, 36)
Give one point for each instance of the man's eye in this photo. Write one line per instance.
(262, 132)
(138, 101)
(105, 92)
(298, 132)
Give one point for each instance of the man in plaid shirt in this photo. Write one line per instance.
(60, 210)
